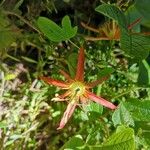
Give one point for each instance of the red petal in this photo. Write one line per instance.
(92, 84)
(54, 82)
(100, 100)
(66, 75)
(80, 66)
(67, 114)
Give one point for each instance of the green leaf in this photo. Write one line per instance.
(4, 21)
(17, 6)
(9, 142)
(113, 12)
(10, 76)
(131, 15)
(8, 32)
(105, 72)
(143, 128)
(51, 30)
(144, 73)
(143, 7)
(74, 143)
(94, 107)
(92, 111)
(144, 125)
(7, 37)
(140, 109)
(121, 140)
(54, 32)
(136, 46)
(67, 28)
(29, 59)
(3, 125)
(122, 116)
(12, 139)
(15, 137)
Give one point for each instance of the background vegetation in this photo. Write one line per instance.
(28, 117)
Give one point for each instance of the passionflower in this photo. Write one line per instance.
(77, 90)
(109, 31)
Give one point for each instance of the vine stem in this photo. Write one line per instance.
(74, 44)
(22, 19)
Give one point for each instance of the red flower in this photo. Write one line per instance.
(109, 30)
(77, 90)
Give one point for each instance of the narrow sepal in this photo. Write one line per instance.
(67, 114)
(80, 65)
(54, 82)
(66, 75)
(100, 100)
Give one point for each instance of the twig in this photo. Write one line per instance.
(74, 44)
(21, 18)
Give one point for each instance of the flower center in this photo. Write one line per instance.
(77, 88)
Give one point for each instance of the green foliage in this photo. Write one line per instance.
(122, 139)
(28, 115)
(10, 76)
(143, 7)
(106, 72)
(74, 143)
(6, 38)
(54, 32)
(131, 15)
(140, 109)
(92, 111)
(7, 35)
(94, 107)
(144, 73)
(114, 13)
(72, 62)
(136, 46)
(122, 116)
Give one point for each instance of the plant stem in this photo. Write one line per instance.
(74, 44)
(13, 58)
(22, 19)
